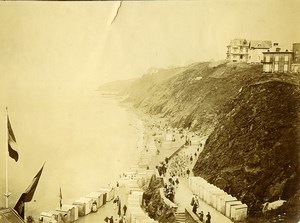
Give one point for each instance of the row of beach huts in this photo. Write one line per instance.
(133, 179)
(218, 199)
(80, 207)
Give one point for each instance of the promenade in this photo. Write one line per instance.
(106, 210)
(183, 194)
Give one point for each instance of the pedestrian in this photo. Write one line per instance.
(118, 185)
(111, 220)
(191, 159)
(201, 216)
(119, 208)
(106, 219)
(208, 218)
(188, 172)
(124, 209)
(195, 154)
(177, 182)
(195, 206)
(193, 200)
(116, 200)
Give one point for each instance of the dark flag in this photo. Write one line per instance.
(12, 143)
(28, 194)
(60, 198)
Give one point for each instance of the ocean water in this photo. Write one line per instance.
(86, 140)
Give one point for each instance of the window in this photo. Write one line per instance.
(297, 52)
(267, 58)
(276, 58)
(285, 68)
(276, 67)
(286, 58)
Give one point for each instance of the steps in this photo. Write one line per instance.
(180, 217)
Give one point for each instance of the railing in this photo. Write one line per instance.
(191, 217)
(167, 201)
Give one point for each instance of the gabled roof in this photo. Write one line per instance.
(260, 44)
(239, 42)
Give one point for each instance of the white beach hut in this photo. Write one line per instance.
(229, 206)
(239, 212)
(73, 211)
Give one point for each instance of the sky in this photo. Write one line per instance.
(55, 45)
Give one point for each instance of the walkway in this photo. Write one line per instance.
(107, 210)
(183, 195)
(183, 199)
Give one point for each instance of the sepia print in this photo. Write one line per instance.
(150, 111)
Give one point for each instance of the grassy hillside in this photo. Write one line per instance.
(252, 118)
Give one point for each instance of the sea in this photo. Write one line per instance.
(86, 141)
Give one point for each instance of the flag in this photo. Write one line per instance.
(60, 198)
(12, 143)
(28, 194)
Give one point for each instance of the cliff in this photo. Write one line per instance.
(251, 119)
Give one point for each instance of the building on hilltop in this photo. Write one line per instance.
(256, 49)
(242, 50)
(277, 59)
(296, 61)
(237, 50)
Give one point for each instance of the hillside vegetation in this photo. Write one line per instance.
(252, 120)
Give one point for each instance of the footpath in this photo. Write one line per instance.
(183, 194)
(106, 210)
(165, 148)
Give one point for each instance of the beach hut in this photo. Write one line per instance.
(229, 205)
(104, 197)
(109, 191)
(239, 212)
(65, 214)
(96, 197)
(46, 217)
(212, 192)
(222, 203)
(216, 196)
(73, 211)
(89, 203)
(56, 215)
(82, 207)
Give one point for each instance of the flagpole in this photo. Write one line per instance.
(6, 164)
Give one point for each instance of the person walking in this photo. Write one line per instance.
(188, 172)
(124, 209)
(119, 208)
(201, 216)
(195, 206)
(208, 218)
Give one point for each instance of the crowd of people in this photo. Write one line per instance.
(178, 165)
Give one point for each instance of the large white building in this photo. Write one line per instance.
(237, 50)
(256, 49)
(251, 51)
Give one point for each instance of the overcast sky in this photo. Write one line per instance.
(58, 44)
